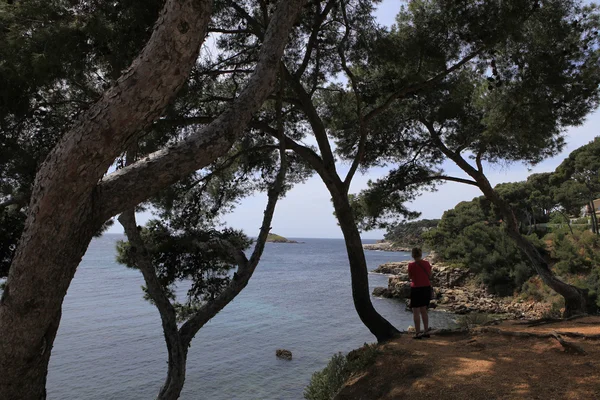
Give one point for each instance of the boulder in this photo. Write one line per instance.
(393, 268)
(285, 354)
(381, 292)
(399, 289)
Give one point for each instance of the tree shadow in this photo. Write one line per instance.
(479, 366)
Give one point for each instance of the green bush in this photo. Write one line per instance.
(325, 384)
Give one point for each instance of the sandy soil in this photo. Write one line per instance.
(485, 365)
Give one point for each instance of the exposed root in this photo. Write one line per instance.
(568, 346)
(544, 321)
(537, 335)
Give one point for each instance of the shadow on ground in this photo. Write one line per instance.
(483, 366)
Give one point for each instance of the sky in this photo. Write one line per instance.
(307, 212)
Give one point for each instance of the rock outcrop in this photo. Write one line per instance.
(456, 291)
(383, 245)
(285, 354)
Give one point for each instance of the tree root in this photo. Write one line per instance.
(576, 335)
(568, 346)
(544, 321)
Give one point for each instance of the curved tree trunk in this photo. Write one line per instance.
(361, 294)
(575, 298)
(594, 218)
(171, 389)
(61, 220)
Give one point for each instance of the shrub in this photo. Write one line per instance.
(325, 384)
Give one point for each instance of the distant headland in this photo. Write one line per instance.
(273, 238)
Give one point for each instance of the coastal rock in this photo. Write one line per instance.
(285, 354)
(393, 268)
(399, 288)
(457, 292)
(385, 246)
(381, 292)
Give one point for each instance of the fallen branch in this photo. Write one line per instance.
(449, 332)
(537, 335)
(568, 346)
(544, 321)
(514, 333)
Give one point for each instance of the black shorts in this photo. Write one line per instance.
(420, 296)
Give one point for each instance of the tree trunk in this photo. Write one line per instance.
(61, 220)
(67, 207)
(361, 294)
(176, 349)
(594, 218)
(171, 389)
(575, 298)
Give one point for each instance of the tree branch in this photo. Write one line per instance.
(245, 270)
(478, 161)
(362, 129)
(420, 86)
(314, 119)
(134, 184)
(143, 262)
(457, 158)
(312, 40)
(228, 31)
(449, 178)
(256, 26)
(20, 200)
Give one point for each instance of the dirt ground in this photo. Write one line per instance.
(486, 365)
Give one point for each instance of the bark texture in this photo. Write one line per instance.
(61, 219)
(133, 184)
(68, 206)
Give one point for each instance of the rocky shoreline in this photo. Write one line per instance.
(457, 292)
(383, 245)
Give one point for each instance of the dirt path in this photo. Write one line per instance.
(485, 365)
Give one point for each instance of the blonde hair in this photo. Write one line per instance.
(417, 253)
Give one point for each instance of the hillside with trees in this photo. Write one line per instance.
(410, 234)
(552, 214)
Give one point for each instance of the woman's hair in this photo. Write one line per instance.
(416, 253)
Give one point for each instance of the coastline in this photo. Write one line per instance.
(456, 291)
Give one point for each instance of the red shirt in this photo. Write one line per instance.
(419, 277)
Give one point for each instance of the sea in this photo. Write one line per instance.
(110, 343)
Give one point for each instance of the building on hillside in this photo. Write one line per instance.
(588, 211)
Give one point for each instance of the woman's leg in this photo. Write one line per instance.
(423, 311)
(417, 319)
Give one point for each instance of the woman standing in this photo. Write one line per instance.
(419, 273)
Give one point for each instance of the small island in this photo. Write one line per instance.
(273, 238)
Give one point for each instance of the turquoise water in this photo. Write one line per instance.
(110, 344)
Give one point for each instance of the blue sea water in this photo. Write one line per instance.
(110, 343)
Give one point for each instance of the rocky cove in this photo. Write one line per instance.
(456, 291)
